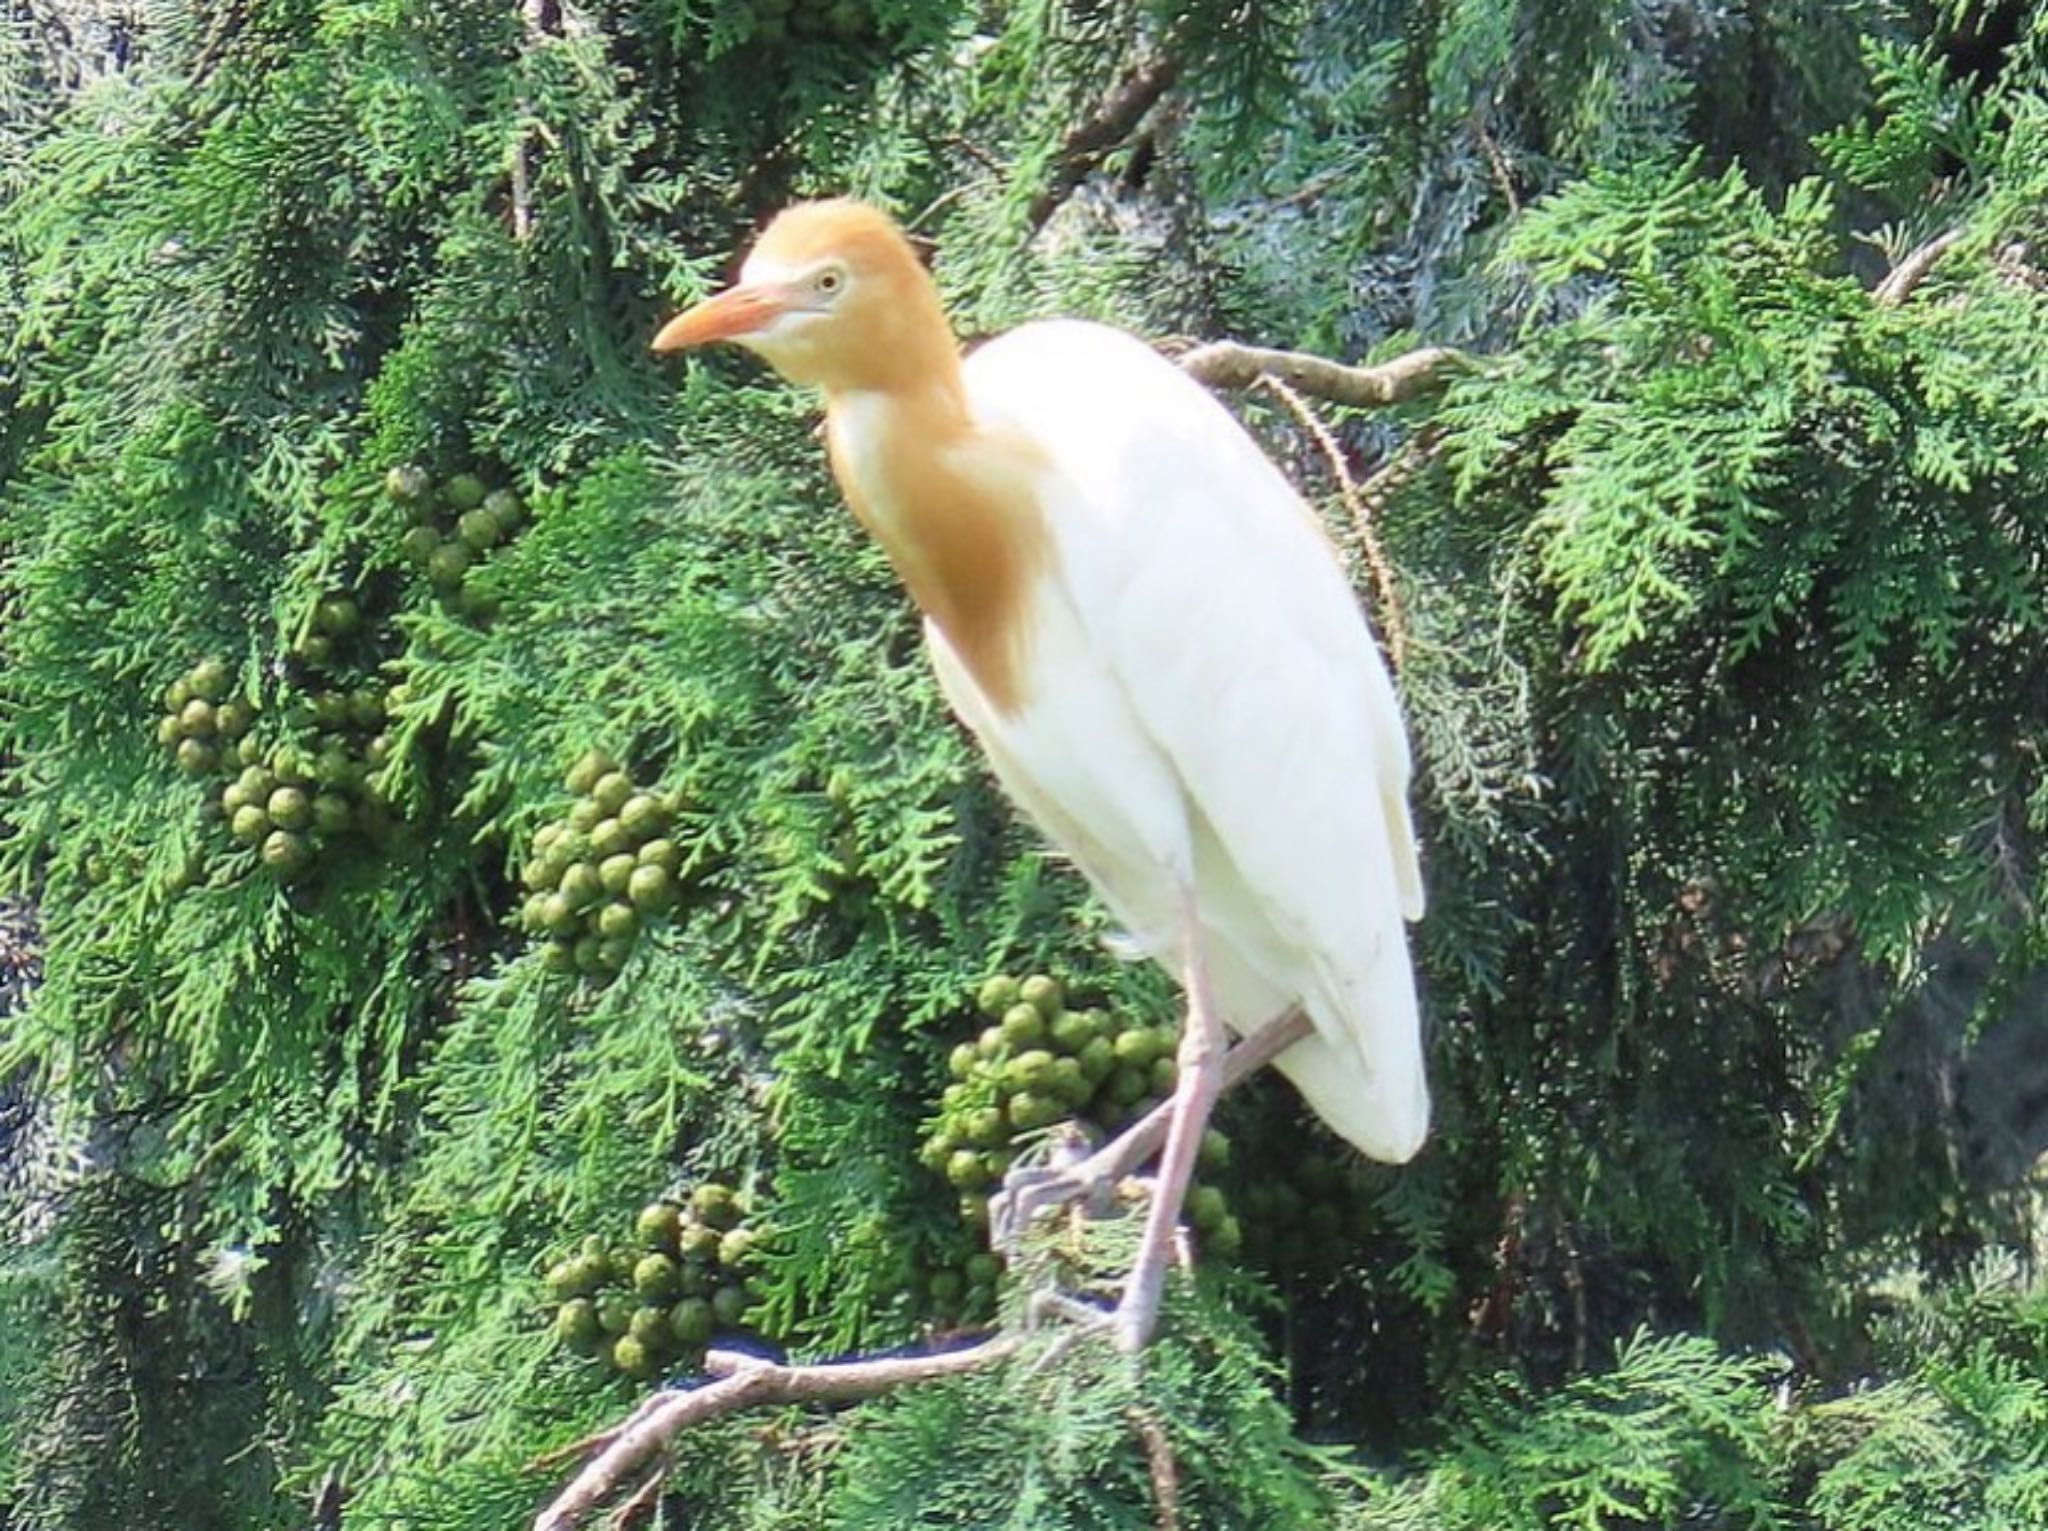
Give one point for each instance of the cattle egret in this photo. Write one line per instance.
(1153, 640)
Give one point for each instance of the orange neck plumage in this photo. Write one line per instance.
(951, 504)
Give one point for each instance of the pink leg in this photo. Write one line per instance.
(1027, 1194)
(1202, 1046)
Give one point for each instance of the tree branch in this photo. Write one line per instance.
(745, 1382)
(1418, 374)
(1088, 142)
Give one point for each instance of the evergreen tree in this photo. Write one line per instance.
(337, 486)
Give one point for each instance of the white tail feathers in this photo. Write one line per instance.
(1383, 1115)
(1361, 1071)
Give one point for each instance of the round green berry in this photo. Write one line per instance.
(632, 1357)
(650, 888)
(997, 995)
(692, 1321)
(465, 491)
(658, 1226)
(1023, 1026)
(479, 530)
(584, 774)
(656, 1277)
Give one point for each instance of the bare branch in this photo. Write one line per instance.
(745, 1382)
(1909, 273)
(1418, 374)
(1090, 141)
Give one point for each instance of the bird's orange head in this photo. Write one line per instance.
(831, 295)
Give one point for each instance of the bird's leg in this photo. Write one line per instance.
(1028, 1191)
(1200, 1081)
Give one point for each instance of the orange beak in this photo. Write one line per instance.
(726, 316)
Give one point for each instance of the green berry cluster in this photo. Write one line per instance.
(202, 725)
(846, 21)
(1308, 1209)
(310, 785)
(654, 1305)
(302, 798)
(602, 871)
(964, 1291)
(313, 788)
(1039, 1062)
(452, 528)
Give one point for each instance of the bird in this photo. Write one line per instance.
(1153, 640)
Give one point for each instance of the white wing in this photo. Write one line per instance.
(1204, 587)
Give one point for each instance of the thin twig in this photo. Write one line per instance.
(1386, 596)
(1159, 1462)
(540, 20)
(1419, 373)
(1089, 142)
(596, 1439)
(1497, 161)
(1310, 189)
(1909, 273)
(745, 1382)
(641, 1503)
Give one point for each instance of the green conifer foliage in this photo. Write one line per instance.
(1722, 582)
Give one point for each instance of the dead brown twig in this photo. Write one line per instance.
(1387, 596)
(1160, 1464)
(1909, 273)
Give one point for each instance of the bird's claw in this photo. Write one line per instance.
(1023, 1201)
(1126, 1326)
(1032, 1189)
(1029, 1192)
(1051, 1303)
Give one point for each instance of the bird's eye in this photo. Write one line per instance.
(829, 281)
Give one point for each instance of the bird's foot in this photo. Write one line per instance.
(1053, 1303)
(1083, 1320)
(1033, 1189)
(1127, 1325)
